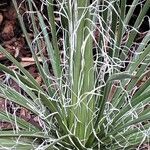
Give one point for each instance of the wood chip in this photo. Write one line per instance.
(1, 18)
(8, 31)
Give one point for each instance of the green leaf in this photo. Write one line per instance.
(121, 76)
(22, 124)
(23, 70)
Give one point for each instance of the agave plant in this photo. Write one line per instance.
(90, 97)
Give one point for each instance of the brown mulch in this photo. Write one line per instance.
(12, 39)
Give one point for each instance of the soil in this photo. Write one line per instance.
(12, 39)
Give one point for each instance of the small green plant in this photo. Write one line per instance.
(86, 101)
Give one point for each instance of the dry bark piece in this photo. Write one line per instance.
(10, 17)
(30, 59)
(10, 14)
(25, 114)
(15, 46)
(1, 18)
(9, 49)
(10, 42)
(26, 63)
(112, 91)
(39, 80)
(6, 125)
(8, 31)
(2, 57)
(2, 104)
